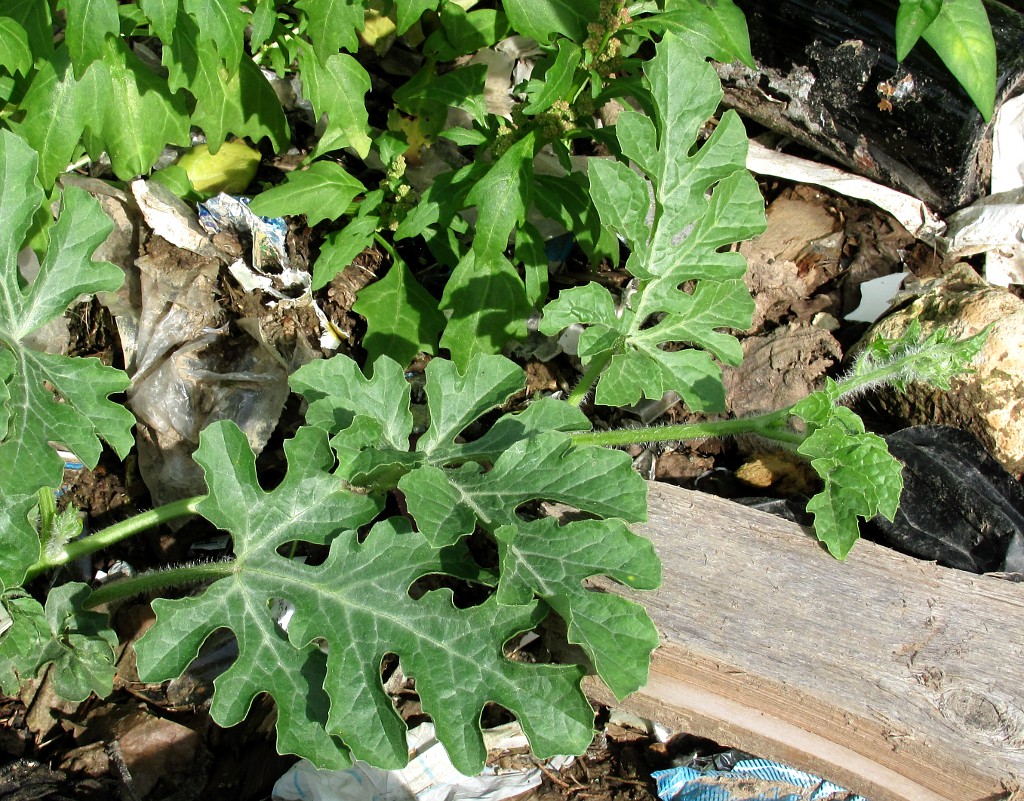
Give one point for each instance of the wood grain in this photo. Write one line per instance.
(898, 679)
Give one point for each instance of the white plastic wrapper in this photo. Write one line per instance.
(429, 776)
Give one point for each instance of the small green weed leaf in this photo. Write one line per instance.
(35, 417)
(557, 79)
(678, 221)
(340, 248)
(89, 22)
(15, 53)
(333, 25)
(912, 19)
(715, 30)
(502, 197)
(221, 24)
(553, 561)
(264, 18)
(239, 101)
(539, 19)
(462, 88)
(357, 602)
(861, 478)
(337, 87)
(492, 305)
(448, 503)
(401, 317)
(162, 16)
(80, 644)
(133, 115)
(321, 192)
(465, 32)
(55, 109)
(409, 11)
(962, 36)
(485, 288)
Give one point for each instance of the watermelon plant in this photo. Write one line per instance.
(452, 505)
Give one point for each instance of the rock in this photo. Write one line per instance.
(989, 402)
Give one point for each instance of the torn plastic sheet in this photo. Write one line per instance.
(748, 780)
(1005, 265)
(429, 776)
(876, 296)
(911, 213)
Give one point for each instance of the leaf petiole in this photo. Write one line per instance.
(772, 425)
(115, 533)
(158, 580)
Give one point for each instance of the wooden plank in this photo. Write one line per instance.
(897, 679)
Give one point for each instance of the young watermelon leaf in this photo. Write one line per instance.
(358, 603)
(861, 478)
(78, 643)
(677, 220)
(49, 397)
(453, 487)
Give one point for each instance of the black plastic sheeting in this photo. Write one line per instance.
(959, 506)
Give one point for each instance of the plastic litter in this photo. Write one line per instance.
(429, 776)
(960, 507)
(747, 780)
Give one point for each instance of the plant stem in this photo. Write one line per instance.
(589, 379)
(771, 425)
(158, 580)
(115, 533)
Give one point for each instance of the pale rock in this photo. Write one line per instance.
(988, 402)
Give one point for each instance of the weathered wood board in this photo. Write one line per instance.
(897, 679)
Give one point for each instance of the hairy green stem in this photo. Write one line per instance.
(771, 425)
(115, 533)
(158, 580)
(589, 379)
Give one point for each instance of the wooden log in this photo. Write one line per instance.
(897, 679)
(827, 76)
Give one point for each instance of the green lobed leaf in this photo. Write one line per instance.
(333, 25)
(79, 644)
(15, 53)
(554, 561)
(55, 110)
(401, 317)
(678, 221)
(861, 479)
(539, 19)
(80, 414)
(358, 603)
(89, 22)
(323, 191)
(462, 88)
(162, 16)
(34, 18)
(264, 18)
(962, 36)
(132, 115)
(221, 25)
(337, 87)
(239, 101)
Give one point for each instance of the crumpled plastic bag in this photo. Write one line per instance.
(748, 780)
(429, 776)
